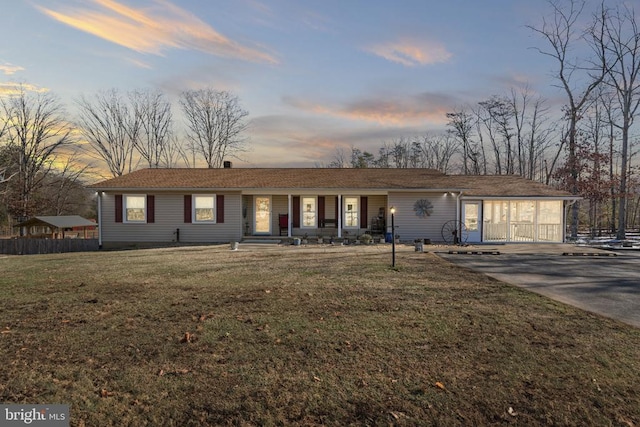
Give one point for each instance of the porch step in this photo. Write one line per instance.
(589, 254)
(474, 252)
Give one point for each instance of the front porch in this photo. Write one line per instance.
(324, 215)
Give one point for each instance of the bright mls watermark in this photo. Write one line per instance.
(34, 415)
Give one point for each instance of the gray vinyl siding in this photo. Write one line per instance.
(375, 206)
(279, 205)
(169, 216)
(409, 226)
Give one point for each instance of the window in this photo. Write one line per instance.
(135, 208)
(471, 216)
(308, 212)
(204, 208)
(351, 212)
(550, 221)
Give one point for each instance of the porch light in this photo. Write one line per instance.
(393, 237)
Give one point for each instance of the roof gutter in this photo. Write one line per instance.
(458, 206)
(99, 193)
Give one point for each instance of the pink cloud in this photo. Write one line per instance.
(155, 29)
(412, 53)
(385, 110)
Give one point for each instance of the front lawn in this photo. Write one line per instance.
(303, 336)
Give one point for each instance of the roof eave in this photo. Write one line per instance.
(538, 197)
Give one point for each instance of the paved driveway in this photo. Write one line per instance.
(609, 286)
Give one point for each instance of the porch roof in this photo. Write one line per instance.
(279, 179)
(507, 186)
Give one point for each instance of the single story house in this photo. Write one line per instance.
(226, 205)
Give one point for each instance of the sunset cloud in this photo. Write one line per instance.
(11, 88)
(386, 110)
(10, 69)
(154, 29)
(412, 53)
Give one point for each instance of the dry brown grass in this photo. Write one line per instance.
(303, 336)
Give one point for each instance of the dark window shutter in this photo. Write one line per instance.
(220, 209)
(321, 211)
(187, 208)
(363, 211)
(118, 207)
(151, 209)
(296, 212)
(337, 213)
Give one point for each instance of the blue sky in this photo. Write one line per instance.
(314, 75)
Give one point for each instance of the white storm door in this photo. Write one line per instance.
(471, 220)
(262, 211)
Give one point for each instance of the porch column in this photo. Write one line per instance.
(289, 215)
(339, 219)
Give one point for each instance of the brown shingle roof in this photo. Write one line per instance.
(327, 178)
(275, 178)
(504, 186)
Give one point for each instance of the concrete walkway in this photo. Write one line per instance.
(606, 285)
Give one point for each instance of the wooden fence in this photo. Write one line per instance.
(46, 246)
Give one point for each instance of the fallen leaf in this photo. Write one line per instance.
(397, 415)
(316, 379)
(104, 393)
(440, 386)
(511, 412)
(188, 338)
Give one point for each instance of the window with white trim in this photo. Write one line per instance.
(351, 212)
(135, 208)
(204, 208)
(309, 212)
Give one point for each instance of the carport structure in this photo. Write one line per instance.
(59, 226)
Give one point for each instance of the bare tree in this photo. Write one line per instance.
(65, 185)
(339, 159)
(174, 153)
(215, 122)
(153, 112)
(619, 47)
(496, 116)
(561, 35)
(9, 160)
(461, 124)
(111, 128)
(36, 130)
(438, 151)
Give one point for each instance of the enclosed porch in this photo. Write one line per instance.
(523, 220)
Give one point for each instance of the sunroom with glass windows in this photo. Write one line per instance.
(527, 220)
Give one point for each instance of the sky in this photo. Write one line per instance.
(314, 75)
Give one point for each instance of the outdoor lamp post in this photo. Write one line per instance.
(393, 237)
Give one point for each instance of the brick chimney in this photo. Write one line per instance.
(226, 164)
